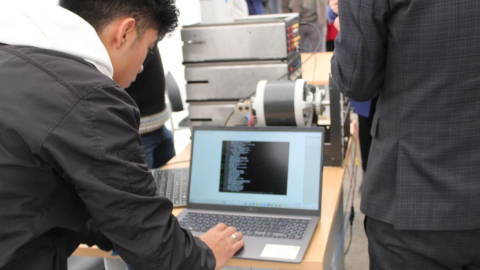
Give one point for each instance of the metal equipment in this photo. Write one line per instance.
(230, 81)
(273, 103)
(283, 104)
(338, 126)
(224, 62)
(253, 38)
(247, 72)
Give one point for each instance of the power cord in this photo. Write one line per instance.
(228, 119)
(351, 216)
(319, 34)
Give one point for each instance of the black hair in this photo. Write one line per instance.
(158, 14)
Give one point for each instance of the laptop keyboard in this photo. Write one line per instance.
(173, 184)
(247, 225)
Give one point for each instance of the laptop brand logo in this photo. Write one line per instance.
(194, 42)
(251, 209)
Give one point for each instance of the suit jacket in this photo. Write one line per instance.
(423, 59)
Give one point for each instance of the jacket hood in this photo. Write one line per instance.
(54, 28)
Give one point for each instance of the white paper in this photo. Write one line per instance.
(280, 251)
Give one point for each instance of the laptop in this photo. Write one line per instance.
(266, 182)
(172, 183)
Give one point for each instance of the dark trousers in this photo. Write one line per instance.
(330, 45)
(391, 249)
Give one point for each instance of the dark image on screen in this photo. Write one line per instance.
(254, 167)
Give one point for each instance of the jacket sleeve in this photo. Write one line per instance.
(358, 63)
(96, 147)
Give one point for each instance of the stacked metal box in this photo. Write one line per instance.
(224, 62)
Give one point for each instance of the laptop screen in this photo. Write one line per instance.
(270, 168)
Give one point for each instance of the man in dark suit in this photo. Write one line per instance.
(421, 193)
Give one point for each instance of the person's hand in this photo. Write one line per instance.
(336, 23)
(220, 240)
(334, 5)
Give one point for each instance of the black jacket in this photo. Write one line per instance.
(71, 163)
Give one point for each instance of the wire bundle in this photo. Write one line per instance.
(250, 118)
(350, 199)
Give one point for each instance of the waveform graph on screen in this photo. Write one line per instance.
(254, 167)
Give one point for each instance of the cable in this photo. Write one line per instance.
(352, 187)
(352, 209)
(352, 216)
(250, 118)
(342, 241)
(318, 31)
(343, 228)
(338, 252)
(226, 122)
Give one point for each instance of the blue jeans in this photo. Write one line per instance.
(158, 147)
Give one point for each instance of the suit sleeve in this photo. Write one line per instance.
(98, 149)
(358, 63)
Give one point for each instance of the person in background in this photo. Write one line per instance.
(72, 168)
(421, 193)
(148, 92)
(310, 12)
(332, 32)
(272, 6)
(255, 7)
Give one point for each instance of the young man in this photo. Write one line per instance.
(71, 162)
(421, 193)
